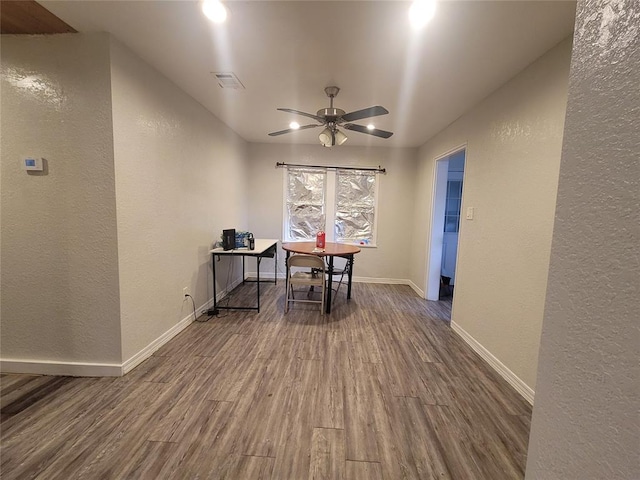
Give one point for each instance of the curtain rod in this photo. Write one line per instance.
(367, 169)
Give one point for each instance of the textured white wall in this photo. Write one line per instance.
(585, 419)
(59, 278)
(180, 179)
(513, 154)
(389, 260)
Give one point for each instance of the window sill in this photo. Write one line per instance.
(355, 244)
(361, 245)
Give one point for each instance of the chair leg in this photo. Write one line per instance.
(286, 303)
(290, 297)
(339, 285)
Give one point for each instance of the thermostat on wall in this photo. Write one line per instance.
(32, 163)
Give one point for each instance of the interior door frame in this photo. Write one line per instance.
(436, 227)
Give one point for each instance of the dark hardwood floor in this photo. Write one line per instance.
(379, 389)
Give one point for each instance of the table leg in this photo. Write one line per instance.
(350, 277)
(258, 268)
(286, 279)
(330, 280)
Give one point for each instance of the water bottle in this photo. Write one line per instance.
(252, 242)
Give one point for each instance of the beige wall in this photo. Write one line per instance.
(180, 177)
(60, 299)
(95, 253)
(585, 420)
(389, 260)
(513, 143)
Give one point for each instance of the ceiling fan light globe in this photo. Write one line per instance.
(326, 138)
(340, 137)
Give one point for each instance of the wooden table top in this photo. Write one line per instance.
(330, 248)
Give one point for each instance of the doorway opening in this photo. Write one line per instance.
(445, 225)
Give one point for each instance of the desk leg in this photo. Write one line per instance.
(350, 277)
(330, 275)
(243, 269)
(275, 266)
(258, 268)
(214, 310)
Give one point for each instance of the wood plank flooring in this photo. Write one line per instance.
(380, 389)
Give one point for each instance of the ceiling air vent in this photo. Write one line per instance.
(228, 80)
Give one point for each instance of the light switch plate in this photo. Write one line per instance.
(469, 213)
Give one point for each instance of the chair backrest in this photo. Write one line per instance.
(340, 262)
(308, 261)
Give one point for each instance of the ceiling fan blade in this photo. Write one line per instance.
(365, 113)
(362, 129)
(297, 112)
(288, 130)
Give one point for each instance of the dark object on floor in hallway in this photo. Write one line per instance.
(446, 290)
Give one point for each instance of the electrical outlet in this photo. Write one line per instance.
(185, 292)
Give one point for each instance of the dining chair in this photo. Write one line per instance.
(313, 278)
(339, 270)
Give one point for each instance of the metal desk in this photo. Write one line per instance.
(263, 248)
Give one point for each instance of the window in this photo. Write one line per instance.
(355, 206)
(342, 203)
(452, 212)
(305, 206)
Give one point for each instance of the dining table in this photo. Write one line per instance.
(330, 251)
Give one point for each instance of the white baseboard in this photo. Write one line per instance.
(229, 288)
(71, 369)
(415, 288)
(76, 369)
(389, 281)
(150, 349)
(522, 388)
(265, 275)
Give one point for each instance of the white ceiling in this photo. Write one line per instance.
(285, 53)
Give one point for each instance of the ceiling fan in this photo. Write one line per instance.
(331, 118)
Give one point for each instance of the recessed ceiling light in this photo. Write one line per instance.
(294, 125)
(214, 10)
(371, 126)
(421, 12)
